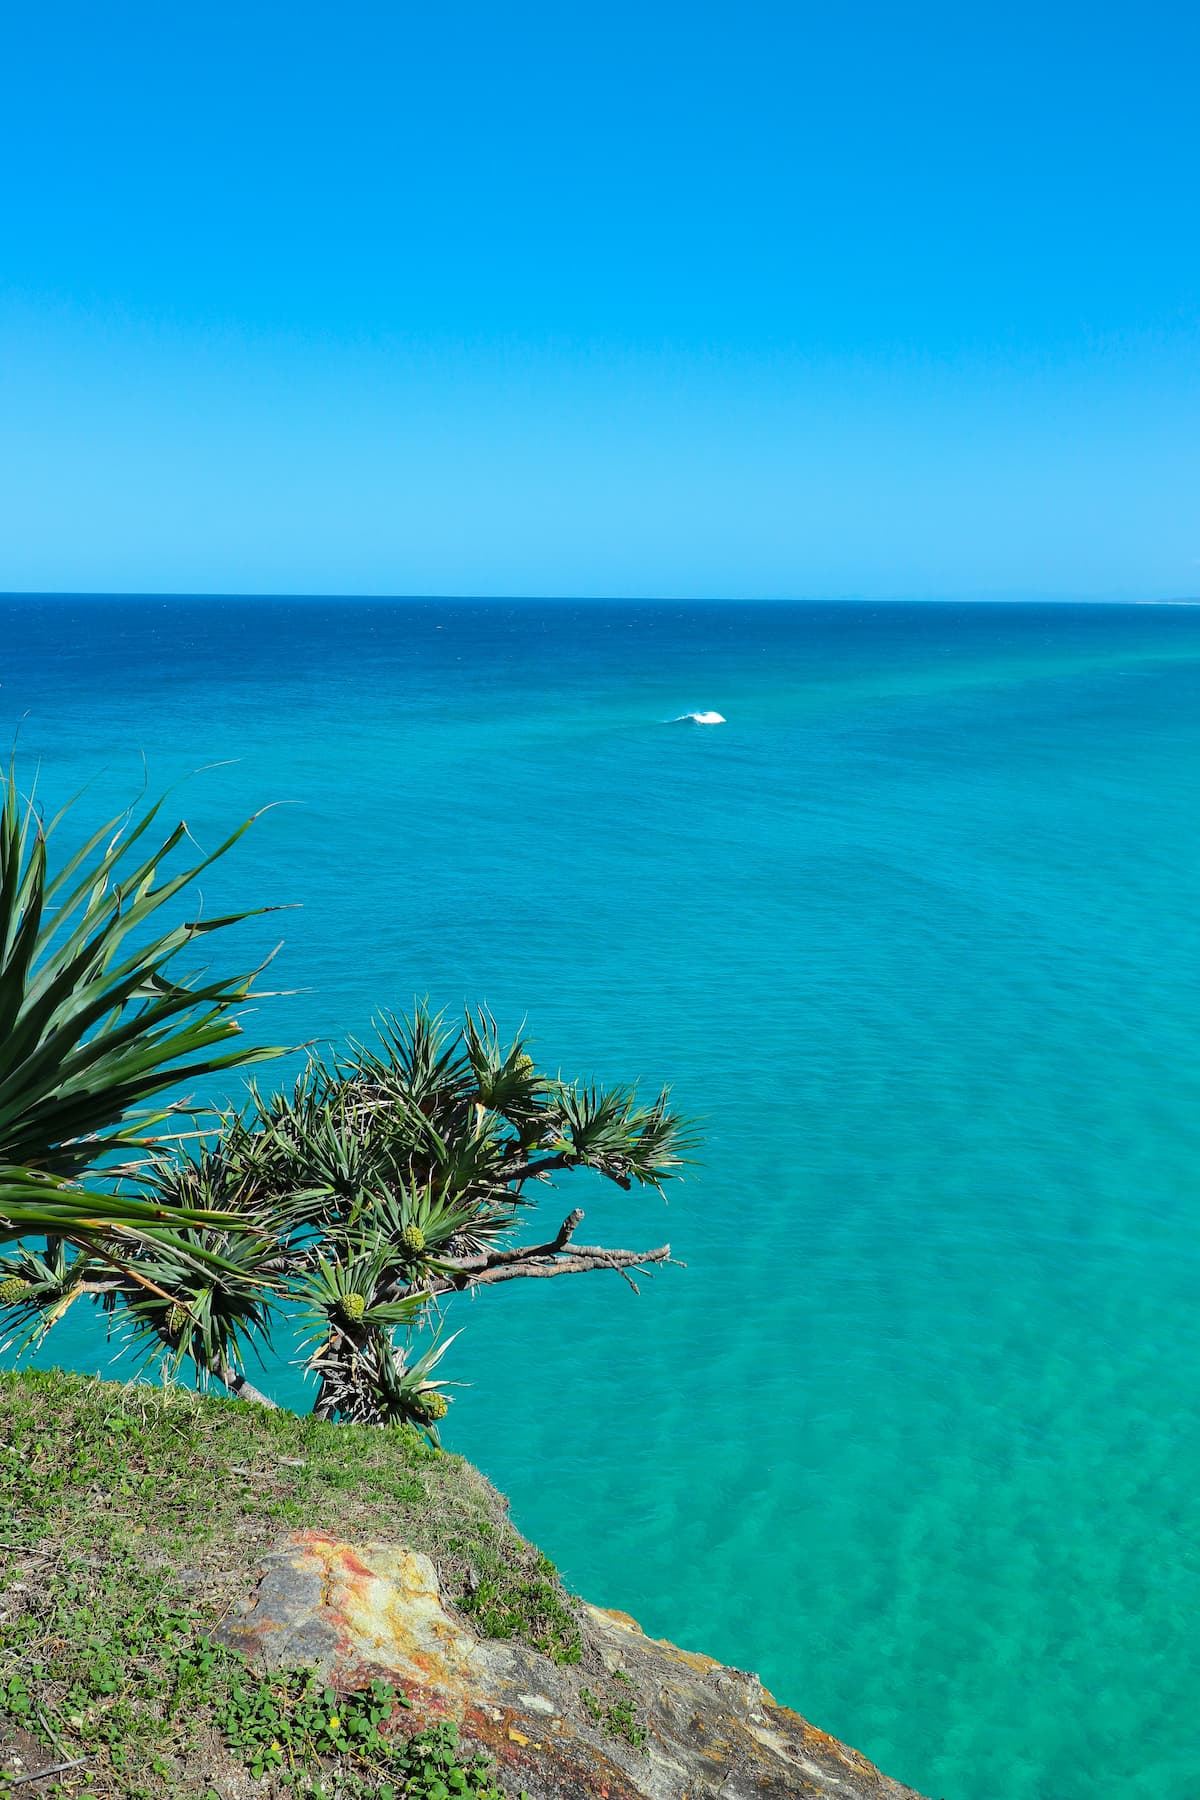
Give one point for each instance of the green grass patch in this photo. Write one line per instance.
(130, 1518)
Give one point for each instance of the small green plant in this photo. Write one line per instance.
(292, 1720)
(305, 1733)
(528, 1605)
(617, 1716)
(15, 1698)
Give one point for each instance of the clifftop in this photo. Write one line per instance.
(381, 1600)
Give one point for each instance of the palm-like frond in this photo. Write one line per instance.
(96, 1021)
(423, 1224)
(608, 1129)
(35, 1204)
(507, 1081)
(418, 1057)
(350, 1287)
(178, 1305)
(36, 1286)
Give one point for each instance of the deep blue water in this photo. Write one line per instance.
(916, 1433)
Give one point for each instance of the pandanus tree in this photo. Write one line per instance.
(383, 1182)
(349, 1209)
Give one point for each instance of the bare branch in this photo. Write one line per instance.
(489, 1259)
(568, 1228)
(58, 1768)
(543, 1261)
(581, 1263)
(537, 1169)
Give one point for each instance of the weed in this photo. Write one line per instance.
(618, 1716)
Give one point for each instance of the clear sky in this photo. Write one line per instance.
(749, 299)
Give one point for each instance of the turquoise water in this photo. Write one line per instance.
(916, 1433)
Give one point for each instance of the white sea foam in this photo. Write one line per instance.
(698, 718)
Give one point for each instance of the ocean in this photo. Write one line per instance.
(916, 1431)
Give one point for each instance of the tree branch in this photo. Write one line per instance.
(542, 1261)
(584, 1259)
(231, 1379)
(58, 1768)
(536, 1170)
(488, 1259)
(241, 1389)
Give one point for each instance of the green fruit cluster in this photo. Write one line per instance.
(12, 1289)
(413, 1239)
(352, 1307)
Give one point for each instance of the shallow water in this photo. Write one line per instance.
(915, 1434)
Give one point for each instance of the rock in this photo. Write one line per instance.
(701, 1731)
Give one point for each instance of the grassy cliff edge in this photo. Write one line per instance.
(128, 1517)
(208, 1600)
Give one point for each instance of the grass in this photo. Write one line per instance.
(128, 1519)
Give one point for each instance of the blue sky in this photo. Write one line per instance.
(687, 300)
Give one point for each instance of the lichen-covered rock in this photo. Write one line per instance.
(685, 1727)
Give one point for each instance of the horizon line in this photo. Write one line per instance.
(970, 599)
